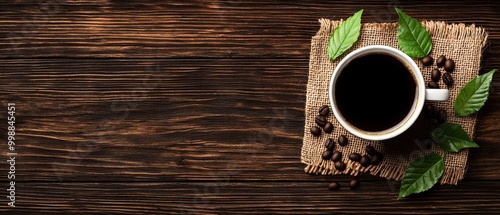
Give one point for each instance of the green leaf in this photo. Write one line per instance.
(452, 138)
(413, 38)
(344, 36)
(421, 175)
(474, 94)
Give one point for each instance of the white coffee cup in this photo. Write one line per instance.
(421, 92)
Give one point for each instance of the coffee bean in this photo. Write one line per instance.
(370, 150)
(320, 120)
(342, 140)
(440, 61)
(328, 128)
(355, 157)
(354, 184)
(365, 161)
(447, 79)
(449, 65)
(376, 158)
(336, 156)
(442, 116)
(433, 84)
(315, 131)
(327, 155)
(334, 186)
(435, 75)
(324, 110)
(329, 144)
(340, 165)
(427, 60)
(427, 143)
(429, 110)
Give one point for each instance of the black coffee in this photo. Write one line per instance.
(375, 92)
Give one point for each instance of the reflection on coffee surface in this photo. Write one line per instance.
(375, 92)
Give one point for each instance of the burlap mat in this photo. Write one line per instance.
(463, 44)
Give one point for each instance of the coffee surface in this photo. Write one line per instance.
(375, 92)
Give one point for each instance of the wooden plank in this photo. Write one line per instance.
(177, 119)
(230, 197)
(199, 29)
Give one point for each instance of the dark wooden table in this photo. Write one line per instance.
(197, 107)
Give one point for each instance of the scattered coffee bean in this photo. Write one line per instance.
(327, 155)
(354, 184)
(340, 165)
(433, 84)
(342, 140)
(427, 143)
(328, 128)
(442, 116)
(449, 65)
(435, 75)
(315, 131)
(370, 150)
(440, 61)
(355, 157)
(329, 144)
(324, 110)
(376, 158)
(320, 121)
(365, 161)
(429, 110)
(334, 186)
(427, 60)
(447, 79)
(336, 156)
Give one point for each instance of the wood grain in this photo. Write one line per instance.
(252, 198)
(173, 120)
(200, 29)
(196, 107)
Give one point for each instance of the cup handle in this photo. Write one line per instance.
(437, 94)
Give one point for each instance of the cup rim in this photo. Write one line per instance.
(412, 115)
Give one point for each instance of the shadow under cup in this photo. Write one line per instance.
(376, 92)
